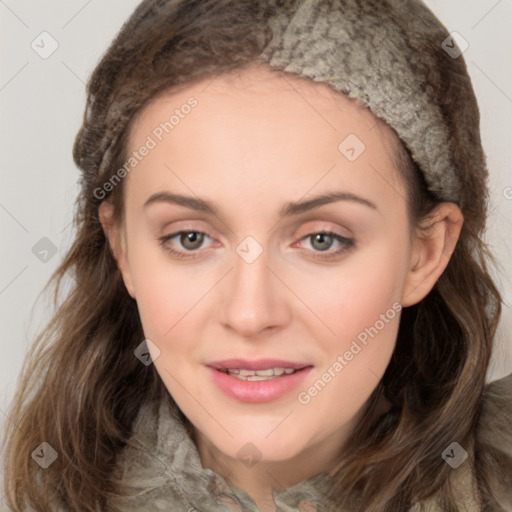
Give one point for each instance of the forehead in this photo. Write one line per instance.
(257, 85)
(262, 127)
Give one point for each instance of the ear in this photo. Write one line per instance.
(117, 241)
(432, 249)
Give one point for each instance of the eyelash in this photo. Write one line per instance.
(347, 245)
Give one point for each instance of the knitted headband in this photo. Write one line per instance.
(396, 58)
(393, 56)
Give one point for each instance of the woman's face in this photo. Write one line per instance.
(263, 164)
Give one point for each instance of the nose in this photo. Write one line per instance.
(254, 298)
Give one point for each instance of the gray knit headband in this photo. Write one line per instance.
(392, 56)
(396, 58)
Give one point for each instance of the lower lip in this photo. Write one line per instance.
(258, 391)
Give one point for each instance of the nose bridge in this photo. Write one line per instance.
(254, 298)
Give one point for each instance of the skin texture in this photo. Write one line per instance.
(256, 140)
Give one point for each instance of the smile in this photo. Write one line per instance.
(256, 375)
(258, 385)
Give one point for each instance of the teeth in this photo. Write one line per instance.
(255, 375)
(246, 373)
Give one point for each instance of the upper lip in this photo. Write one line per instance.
(256, 364)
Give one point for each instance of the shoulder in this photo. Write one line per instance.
(489, 459)
(493, 443)
(160, 468)
(141, 473)
(495, 422)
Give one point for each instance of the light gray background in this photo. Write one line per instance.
(42, 102)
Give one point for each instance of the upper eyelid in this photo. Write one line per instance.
(325, 228)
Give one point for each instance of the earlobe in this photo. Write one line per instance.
(115, 238)
(432, 250)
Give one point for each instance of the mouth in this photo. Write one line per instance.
(246, 369)
(256, 375)
(258, 381)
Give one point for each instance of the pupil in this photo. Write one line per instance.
(321, 237)
(192, 238)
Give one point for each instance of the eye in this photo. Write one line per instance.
(190, 240)
(323, 241)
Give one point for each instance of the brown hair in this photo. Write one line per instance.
(82, 387)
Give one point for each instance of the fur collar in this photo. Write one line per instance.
(162, 471)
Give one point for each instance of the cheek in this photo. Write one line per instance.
(165, 291)
(359, 306)
(352, 296)
(164, 299)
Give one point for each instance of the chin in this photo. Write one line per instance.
(274, 448)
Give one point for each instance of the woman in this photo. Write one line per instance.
(214, 354)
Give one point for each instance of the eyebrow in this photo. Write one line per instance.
(291, 208)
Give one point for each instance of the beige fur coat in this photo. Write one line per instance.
(165, 473)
